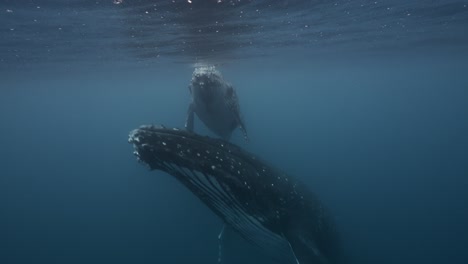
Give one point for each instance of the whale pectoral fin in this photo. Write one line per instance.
(304, 252)
(240, 123)
(190, 118)
(233, 105)
(243, 129)
(230, 99)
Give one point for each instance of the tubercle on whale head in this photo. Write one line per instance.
(207, 79)
(144, 140)
(155, 143)
(157, 147)
(205, 69)
(206, 83)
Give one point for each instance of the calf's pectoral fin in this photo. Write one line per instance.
(240, 123)
(243, 129)
(233, 105)
(190, 118)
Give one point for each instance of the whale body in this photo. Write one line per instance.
(264, 205)
(215, 102)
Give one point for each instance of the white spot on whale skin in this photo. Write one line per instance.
(198, 154)
(164, 143)
(278, 214)
(213, 167)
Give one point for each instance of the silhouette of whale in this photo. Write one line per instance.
(264, 205)
(215, 102)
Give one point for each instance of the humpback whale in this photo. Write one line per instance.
(263, 204)
(215, 102)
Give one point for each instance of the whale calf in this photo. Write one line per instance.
(215, 102)
(264, 205)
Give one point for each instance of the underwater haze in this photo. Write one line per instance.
(366, 102)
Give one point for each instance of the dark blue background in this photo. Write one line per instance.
(384, 146)
(369, 109)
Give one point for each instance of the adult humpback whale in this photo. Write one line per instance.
(261, 203)
(215, 102)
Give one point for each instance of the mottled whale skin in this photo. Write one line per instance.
(264, 205)
(215, 102)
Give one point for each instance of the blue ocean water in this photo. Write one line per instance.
(366, 102)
